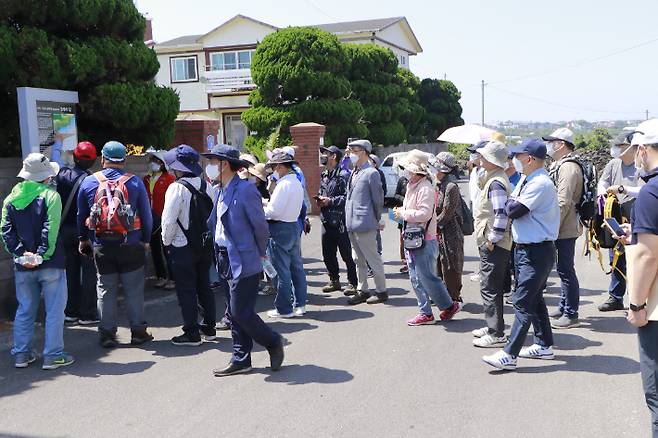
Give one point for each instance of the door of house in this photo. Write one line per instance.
(236, 131)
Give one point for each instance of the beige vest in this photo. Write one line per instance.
(484, 218)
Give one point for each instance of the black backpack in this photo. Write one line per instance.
(586, 208)
(198, 236)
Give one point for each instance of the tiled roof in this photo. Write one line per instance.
(181, 41)
(359, 26)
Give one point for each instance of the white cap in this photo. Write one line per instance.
(564, 134)
(646, 133)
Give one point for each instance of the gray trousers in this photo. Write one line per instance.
(364, 252)
(648, 337)
(493, 268)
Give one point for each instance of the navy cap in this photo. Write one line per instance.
(530, 146)
(184, 159)
(228, 153)
(474, 147)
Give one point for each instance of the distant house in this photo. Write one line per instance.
(212, 72)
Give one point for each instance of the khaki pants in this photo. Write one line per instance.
(364, 252)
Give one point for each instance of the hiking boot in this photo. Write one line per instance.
(350, 290)
(611, 304)
(358, 298)
(138, 337)
(23, 360)
(108, 340)
(332, 286)
(52, 363)
(378, 297)
(565, 322)
(232, 369)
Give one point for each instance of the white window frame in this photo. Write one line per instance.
(172, 62)
(222, 64)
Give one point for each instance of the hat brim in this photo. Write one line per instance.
(40, 176)
(551, 138)
(193, 168)
(498, 161)
(329, 151)
(241, 163)
(274, 163)
(260, 176)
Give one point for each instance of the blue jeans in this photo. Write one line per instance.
(30, 285)
(426, 283)
(617, 288)
(570, 294)
(532, 264)
(649, 370)
(286, 255)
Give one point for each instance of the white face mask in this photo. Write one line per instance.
(517, 165)
(550, 149)
(615, 152)
(154, 167)
(474, 158)
(212, 171)
(354, 159)
(276, 175)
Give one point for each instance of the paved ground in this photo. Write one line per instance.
(349, 372)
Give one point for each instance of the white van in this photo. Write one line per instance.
(390, 168)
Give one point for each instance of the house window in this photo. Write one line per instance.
(231, 60)
(403, 60)
(183, 69)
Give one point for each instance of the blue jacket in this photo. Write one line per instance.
(137, 197)
(240, 208)
(31, 217)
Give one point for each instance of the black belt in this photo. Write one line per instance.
(529, 245)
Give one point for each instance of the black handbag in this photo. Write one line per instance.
(414, 236)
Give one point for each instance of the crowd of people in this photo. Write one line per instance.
(237, 224)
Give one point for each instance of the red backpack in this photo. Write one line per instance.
(111, 216)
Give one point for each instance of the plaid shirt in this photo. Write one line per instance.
(498, 197)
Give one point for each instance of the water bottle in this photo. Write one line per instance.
(268, 268)
(34, 259)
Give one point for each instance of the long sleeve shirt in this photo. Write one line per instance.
(286, 201)
(177, 208)
(498, 197)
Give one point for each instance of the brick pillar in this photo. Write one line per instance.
(306, 136)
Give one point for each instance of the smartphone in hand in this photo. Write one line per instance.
(614, 226)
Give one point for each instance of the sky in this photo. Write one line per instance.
(554, 61)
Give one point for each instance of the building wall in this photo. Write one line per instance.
(192, 95)
(238, 32)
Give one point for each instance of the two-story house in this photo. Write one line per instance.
(212, 72)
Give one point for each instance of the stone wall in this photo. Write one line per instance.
(9, 168)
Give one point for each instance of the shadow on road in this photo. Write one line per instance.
(595, 364)
(304, 374)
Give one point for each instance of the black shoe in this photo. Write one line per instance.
(611, 304)
(332, 286)
(208, 334)
(358, 298)
(377, 298)
(186, 340)
(276, 355)
(108, 340)
(140, 336)
(350, 290)
(231, 369)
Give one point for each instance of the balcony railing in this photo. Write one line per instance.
(228, 81)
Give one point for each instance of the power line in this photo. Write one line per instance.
(561, 105)
(314, 6)
(578, 64)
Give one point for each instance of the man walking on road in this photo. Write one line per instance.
(331, 199)
(535, 214)
(363, 208)
(240, 235)
(568, 178)
(119, 225)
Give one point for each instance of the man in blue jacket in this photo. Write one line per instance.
(31, 217)
(118, 261)
(241, 235)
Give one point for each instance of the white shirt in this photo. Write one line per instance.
(286, 201)
(177, 207)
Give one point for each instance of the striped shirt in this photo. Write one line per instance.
(498, 197)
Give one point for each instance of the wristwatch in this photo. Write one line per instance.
(621, 189)
(635, 308)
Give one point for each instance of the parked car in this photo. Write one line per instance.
(391, 171)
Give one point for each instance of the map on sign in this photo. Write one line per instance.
(64, 126)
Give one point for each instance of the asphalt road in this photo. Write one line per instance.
(349, 372)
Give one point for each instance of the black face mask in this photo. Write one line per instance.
(323, 160)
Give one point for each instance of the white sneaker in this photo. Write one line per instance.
(501, 360)
(300, 311)
(275, 314)
(474, 277)
(536, 351)
(478, 333)
(488, 341)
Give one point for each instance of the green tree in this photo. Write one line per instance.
(440, 98)
(599, 139)
(94, 47)
(301, 77)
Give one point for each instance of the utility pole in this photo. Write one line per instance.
(646, 112)
(482, 102)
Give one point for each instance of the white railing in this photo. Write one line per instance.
(227, 81)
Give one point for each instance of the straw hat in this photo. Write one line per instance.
(259, 171)
(415, 162)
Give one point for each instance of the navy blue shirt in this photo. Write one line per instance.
(65, 179)
(644, 218)
(137, 197)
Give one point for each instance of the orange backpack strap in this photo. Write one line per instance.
(100, 176)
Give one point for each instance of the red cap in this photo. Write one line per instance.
(85, 151)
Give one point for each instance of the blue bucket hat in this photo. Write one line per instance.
(530, 146)
(227, 153)
(184, 159)
(114, 151)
